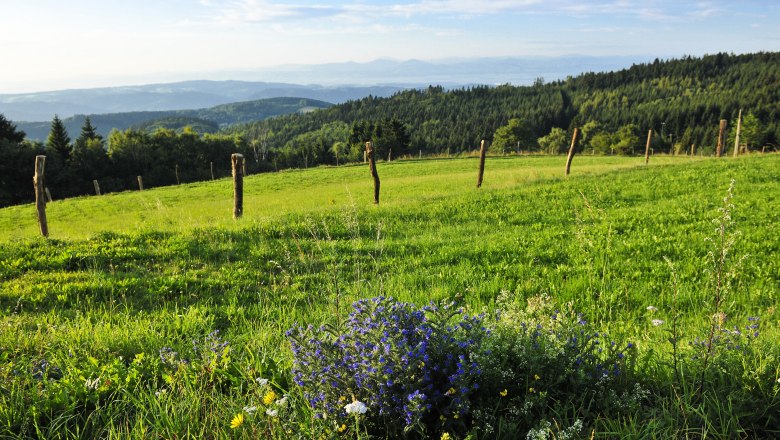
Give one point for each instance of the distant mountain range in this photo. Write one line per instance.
(202, 120)
(335, 83)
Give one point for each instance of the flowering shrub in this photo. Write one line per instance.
(411, 368)
(538, 358)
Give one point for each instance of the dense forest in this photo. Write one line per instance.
(681, 100)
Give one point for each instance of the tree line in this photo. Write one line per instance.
(681, 100)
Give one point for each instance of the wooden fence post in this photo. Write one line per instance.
(177, 175)
(736, 138)
(97, 187)
(140, 183)
(647, 146)
(48, 194)
(721, 138)
(481, 163)
(238, 184)
(693, 149)
(212, 170)
(372, 169)
(571, 150)
(40, 201)
(420, 156)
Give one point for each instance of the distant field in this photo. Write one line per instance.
(131, 273)
(271, 196)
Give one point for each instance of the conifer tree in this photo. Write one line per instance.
(58, 141)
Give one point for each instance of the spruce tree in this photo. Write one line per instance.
(88, 133)
(58, 141)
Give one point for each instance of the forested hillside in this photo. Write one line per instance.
(681, 100)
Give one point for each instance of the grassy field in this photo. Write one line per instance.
(126, 275)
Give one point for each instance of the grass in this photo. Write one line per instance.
(128, 274)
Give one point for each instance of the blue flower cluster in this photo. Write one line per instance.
(411, 366)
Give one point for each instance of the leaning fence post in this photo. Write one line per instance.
(238, 184)
(647, 146)
(372, 169)
(97, 187)
(212, 170)
(40, 200)
(140, 183)
(481, 163)
(571, 151)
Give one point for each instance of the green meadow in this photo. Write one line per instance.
(653, 255)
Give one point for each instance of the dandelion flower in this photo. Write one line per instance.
(504, 393)
(356, 407)
(657, 322)
(272, 412)
(269, 397)
(237, 421)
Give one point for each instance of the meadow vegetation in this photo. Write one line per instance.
(622, 301)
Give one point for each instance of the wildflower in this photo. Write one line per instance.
(657, 322)
(356, 407)
(250, 409)
(272, 412)
(531, 390)
(342, 428)
(261, 381)
(92, 384)
(652, 308)
(536, 377)
(450, 392)
(283, 401)
(237, 421)
(446, 436)
(269, 398)
(503, 393)
(161, 392)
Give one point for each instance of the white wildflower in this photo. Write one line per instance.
(283, 401)
(272, 412)
(92, 384)
(250, 409)
(652, 308)
(657, 322)
(356, 407)
(162, 392)
(261, 381)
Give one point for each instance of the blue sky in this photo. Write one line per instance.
(54, 44)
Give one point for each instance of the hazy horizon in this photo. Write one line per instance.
(56, 45)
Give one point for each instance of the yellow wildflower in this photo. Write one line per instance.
(531, 390)
(237, 421)
(269, 397)
(504, 393)
(446, 436)
(342, 428)
(450, 392)
(536, 377)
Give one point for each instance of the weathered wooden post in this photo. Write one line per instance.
(212, 170)
(97, 187)
(420, 155)
(238, 184)
(571, 150)
(140, 183)
(481, 163)
(389, 154)
(372, 168)
(177, 175)
(736, 138)
(693, 149)
(365, 158)
(647, 146)
(40, 200)
(721, 138)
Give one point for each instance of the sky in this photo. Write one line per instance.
(57, 44)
